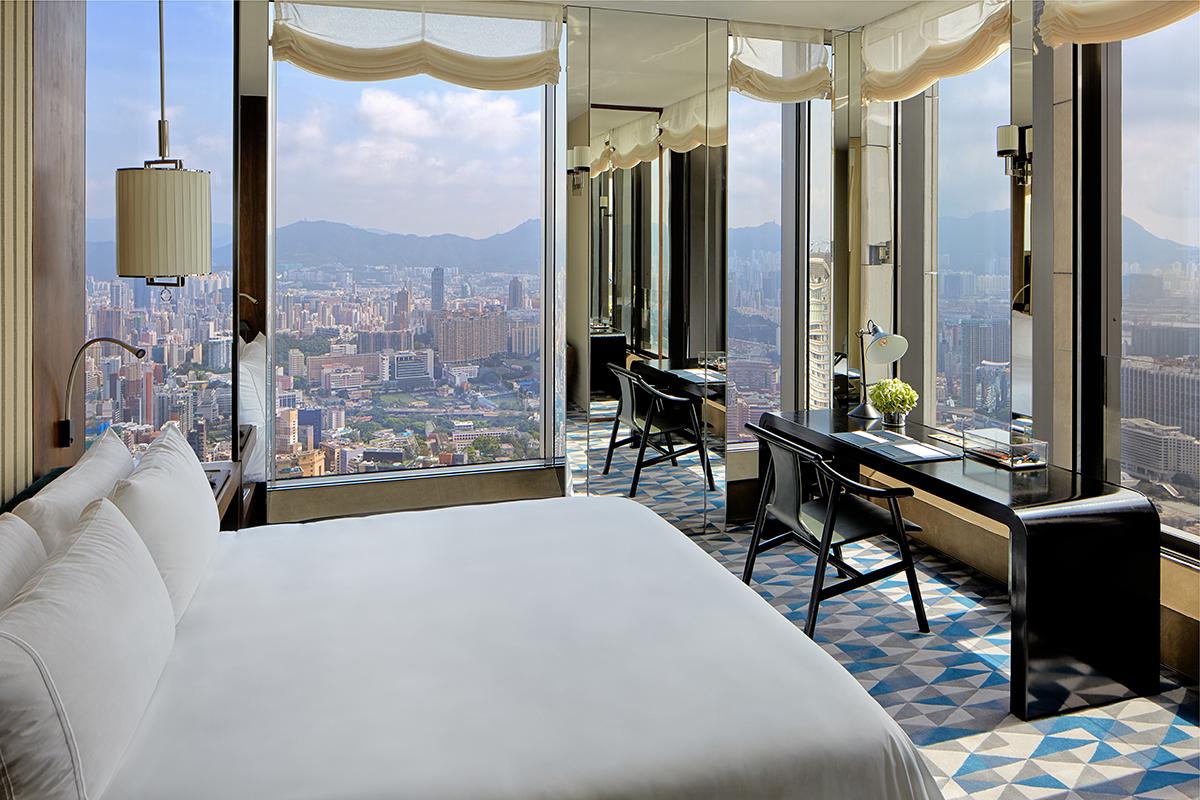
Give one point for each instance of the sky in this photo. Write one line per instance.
(419, 156)
(122, 94)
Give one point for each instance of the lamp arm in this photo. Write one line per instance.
(136, 352)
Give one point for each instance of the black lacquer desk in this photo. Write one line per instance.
(1083, 569)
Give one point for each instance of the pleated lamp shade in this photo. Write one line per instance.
(164, 223)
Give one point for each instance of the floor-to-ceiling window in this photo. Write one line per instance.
(755, 248)
(1160, 271)
(186, 332)
(408, 306)
(972, 322)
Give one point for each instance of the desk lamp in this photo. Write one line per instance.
(883, 348)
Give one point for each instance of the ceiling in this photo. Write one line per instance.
(839, 15)
(647, 60)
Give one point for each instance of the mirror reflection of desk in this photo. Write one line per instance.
(607, 347)
(705, 384)
(1083, 563)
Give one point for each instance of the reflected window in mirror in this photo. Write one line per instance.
(188, 335)
(972, 322)
(755, 250)
(1160, 282)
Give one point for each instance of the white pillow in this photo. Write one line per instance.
(21, 553)
(170, 503)
(54, 510)
(82, 647)
(252, 406)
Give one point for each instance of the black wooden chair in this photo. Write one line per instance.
(840, 512)
(654, 419)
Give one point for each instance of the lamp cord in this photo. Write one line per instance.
(163, 135)
(162, 72)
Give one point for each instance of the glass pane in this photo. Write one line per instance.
(408, 299)
(820, 254)
(972, 324)
(1160, 271)
(754, 255)
(188, 332)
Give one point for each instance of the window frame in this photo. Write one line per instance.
(1098, 231)
(551, 445)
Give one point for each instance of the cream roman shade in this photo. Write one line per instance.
(684, 125)
(164, 223)
(634, 142)
(906, 53)
(778, 63)
(480, 45)
(1098, 21)
(681, 127)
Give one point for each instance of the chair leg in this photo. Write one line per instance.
(712, 485)
(837, 551)
(641, 455)
(914, 588)
(760, 522)
(671, 449)
(814, 602)
(612, 444)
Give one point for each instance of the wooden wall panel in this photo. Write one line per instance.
(59, 65)
(16, 257)
(252, 211)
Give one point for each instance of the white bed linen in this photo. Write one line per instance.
(567, 648)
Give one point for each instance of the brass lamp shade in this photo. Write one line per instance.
(164, 223)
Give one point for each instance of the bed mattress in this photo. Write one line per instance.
(566, 648)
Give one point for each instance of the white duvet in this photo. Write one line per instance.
(568, 648)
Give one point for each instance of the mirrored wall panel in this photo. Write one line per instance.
(646, 242)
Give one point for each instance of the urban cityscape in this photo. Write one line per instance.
(383, 367)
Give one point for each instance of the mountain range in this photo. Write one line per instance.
(978, 243)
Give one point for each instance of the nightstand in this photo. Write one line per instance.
(225, 478)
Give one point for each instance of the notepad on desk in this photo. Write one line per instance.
(896, 446)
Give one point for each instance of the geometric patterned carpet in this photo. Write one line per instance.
(947, 689)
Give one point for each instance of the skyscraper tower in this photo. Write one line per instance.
(516, 294)
(438, 295)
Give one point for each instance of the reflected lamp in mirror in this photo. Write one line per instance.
(875, 346)
(164, 212)
(62, 430)
(579, 159)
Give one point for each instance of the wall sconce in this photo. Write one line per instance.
(1014, 143)
(164, 212)
(884, 348)
(579, 161)
(62, 428)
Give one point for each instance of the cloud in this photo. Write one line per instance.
(406, 158)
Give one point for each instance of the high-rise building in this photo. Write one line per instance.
(437, 295)
(312, 419)
(524, 337)
(1164, 392)
(411, 369)
(1157, 452)
(471, 337)
(295, 363)
(286, 430)
(516, 294)
(820, 333)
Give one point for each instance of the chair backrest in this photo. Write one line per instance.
(791, 464)
(635, 399)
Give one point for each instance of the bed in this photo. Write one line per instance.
(566, 648)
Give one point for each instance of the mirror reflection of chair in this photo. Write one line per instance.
(654, 419)
(843, 513)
